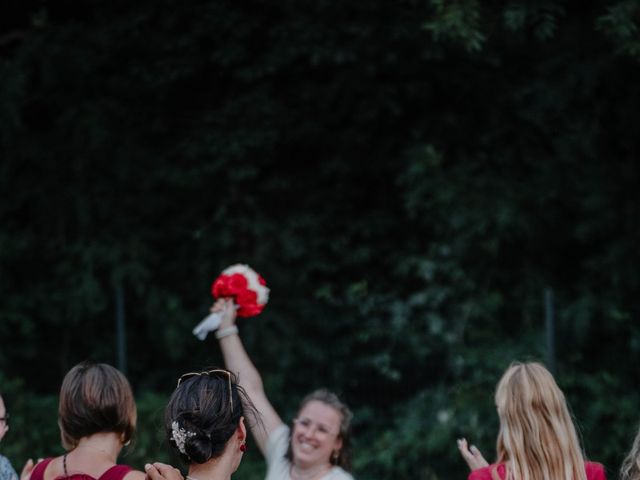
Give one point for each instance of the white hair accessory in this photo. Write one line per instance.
(179, 436)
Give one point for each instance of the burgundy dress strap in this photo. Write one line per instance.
(117, 472)
(38, 470)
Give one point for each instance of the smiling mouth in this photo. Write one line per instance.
(305, 446)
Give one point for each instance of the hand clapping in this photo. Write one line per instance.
(471, 455)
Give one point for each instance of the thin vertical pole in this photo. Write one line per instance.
(550, 329)
(121, 340)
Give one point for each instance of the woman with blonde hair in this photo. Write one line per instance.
(630, 469)
(537, 438)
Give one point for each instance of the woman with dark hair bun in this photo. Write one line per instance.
(205, 424)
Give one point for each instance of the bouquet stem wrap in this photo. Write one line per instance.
(210, 323)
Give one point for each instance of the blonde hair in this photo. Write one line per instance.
(537, 439)
(630, 469)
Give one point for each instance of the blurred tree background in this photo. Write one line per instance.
(410, 177)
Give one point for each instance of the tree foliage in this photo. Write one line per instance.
(409, 177)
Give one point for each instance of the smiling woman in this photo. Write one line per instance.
(318, 446)
(323, 414)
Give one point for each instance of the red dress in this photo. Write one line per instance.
(117, 472)
(594, 471)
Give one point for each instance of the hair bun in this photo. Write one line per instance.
(203, 413)
(198, 447)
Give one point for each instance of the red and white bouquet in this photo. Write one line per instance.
(247, 289)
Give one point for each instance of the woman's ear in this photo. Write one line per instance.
(241, 430)
(338, 444)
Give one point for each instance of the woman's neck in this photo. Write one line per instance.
(218, 469)
(105, 445)
(312, 472)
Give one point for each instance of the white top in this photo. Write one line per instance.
(279, 467)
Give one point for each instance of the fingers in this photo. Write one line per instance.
(229, 306)
(479, 459)
(228, 313)
(218, 305)
(25, 474)
(462, 444)
(471, 455)
(162, 471)
(463, 447)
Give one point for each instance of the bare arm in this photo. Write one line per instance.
(237, 361)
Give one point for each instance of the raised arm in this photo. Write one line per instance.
(237, 361)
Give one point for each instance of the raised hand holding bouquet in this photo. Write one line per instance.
(245, 287)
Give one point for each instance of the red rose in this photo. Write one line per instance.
(250, 310)
(246, 297)
(237, 283)
(220, 288)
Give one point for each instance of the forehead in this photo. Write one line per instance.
(321, 413)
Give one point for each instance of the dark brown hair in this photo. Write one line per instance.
(203, 413)
(95, 397)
